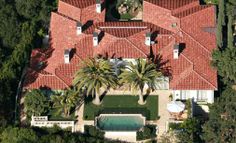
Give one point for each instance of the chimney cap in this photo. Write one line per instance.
(95, 34)
(79, 24)
(176, 46)
(98, 1)
(67, 52)
(148, 34)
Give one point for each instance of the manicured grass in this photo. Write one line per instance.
(123, 104)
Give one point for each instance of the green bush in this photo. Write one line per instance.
(174, 126)
(147, 132)
(94, 132)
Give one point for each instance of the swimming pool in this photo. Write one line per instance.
(120, 122)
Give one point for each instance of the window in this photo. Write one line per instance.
(184, 94)
(202, 95)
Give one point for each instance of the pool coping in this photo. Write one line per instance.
(140, 115)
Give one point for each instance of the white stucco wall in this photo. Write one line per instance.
(206, 95)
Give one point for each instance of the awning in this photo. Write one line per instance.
(175, 106)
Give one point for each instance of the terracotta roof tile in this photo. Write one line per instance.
(80, 3)
(191, 71)
(171, 4)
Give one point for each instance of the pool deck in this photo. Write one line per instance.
(161, 123)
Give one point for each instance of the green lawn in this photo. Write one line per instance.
(123, 104)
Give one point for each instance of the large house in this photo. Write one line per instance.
(180, 34)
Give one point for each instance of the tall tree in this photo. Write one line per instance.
(36, 103)
(18, 135)
(220, 22)
(65, 102)
(221, 126)
(94, 75)
(225, 61)
(139, 74)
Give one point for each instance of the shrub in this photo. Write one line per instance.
(94, 132)
(147, 132)
(174, 126)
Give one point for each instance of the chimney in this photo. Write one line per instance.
(176, 51)
(98, 6)
(79, 28)
(148, 39)
(95, 39)
(67, 56)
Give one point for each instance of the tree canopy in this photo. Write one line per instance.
(221, 126)
(36, 103)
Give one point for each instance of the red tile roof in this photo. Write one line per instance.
(171, 4)
(80, 3)
(191, 71)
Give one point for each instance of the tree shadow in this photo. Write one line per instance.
(161, 64)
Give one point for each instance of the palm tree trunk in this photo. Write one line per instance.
(141, 100)
(97, 101)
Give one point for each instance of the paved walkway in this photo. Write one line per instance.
(163, 113)
(79, 127)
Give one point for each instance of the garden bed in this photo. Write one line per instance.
(54, 115)
(124, 104)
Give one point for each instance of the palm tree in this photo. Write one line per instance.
(139, 74)
(65, 102)
(94, 75)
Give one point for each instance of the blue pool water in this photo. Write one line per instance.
(120, 123)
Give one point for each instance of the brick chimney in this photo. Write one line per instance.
(67, 56)
(79, 28)
(98, 6)
(95, 39)
(176, 51)
(148, 39)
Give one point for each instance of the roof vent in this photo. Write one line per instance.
(174, 25)
(67, 56)
(148, 39)
(98, 6)
(176, 51)
(95, 39)
(79, 28)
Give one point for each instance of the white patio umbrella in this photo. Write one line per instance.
(175, 106)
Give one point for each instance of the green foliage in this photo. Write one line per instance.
(174, 126)
(189, 131)
(9, 27)
(95, 74)
(225, 61)
(211, 1)
(220, 22)
(18, 34)
(36, 103)
(147, 132)
(230, 14)
(221, 126)
(94, 132)
(65, 102)
(137, 75)
(28, 8)
(47, 135)
(126, 104)
(18, 135)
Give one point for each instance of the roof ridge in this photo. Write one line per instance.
(135, 46)
(189, 11)
(195, 40)
(204, 79)
(184, 74)
(63, 15)
(58, 77)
